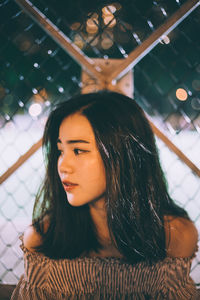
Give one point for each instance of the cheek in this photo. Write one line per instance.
(101, 171)
(96, 171)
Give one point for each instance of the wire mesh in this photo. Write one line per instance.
(36, 73)
(108, 31)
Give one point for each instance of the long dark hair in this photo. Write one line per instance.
(136, 194)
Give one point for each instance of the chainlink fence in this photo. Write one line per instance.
(36, 72)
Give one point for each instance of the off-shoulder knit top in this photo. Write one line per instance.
(103, 278)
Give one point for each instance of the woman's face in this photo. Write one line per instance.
(80, 165)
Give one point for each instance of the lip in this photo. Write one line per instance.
(68, 186)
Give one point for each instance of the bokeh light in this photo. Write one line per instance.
(196, 84)
(181, 94)
(35, 109)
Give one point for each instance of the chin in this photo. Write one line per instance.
(75, 202)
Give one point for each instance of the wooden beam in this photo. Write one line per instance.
(61, 39)
(147, 45)
(123, 86)
(175, 149)
(20, 161)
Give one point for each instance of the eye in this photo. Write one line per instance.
(78, 151)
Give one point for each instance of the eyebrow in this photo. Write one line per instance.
(73, 141)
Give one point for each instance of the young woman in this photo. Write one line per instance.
(104, 225)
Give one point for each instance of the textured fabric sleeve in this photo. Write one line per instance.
(33, 283)
(178, 283)
(25, 291)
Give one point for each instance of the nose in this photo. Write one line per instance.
(65, 165)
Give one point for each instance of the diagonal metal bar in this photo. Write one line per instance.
(60, 38)
(20, 161)
(175, 149)
(137, 54)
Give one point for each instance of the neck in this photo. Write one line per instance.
(99, 217)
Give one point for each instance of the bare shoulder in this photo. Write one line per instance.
(32, 238)
(181, 236)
